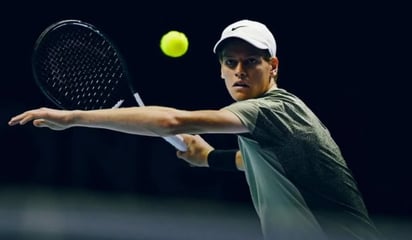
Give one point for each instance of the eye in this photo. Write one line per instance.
(230, 63)
(251, 61)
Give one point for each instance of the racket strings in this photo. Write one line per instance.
(80, 69)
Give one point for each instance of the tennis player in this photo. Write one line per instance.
(299, 181)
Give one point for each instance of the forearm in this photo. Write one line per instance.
(149, 121)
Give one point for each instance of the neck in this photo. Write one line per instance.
(272, 87)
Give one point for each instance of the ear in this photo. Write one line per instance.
(275, 63)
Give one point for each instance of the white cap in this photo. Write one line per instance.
(252, 32)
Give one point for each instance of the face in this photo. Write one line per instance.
(246, 73)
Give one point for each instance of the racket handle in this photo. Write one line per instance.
(177, 142)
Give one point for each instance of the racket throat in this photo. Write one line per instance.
(138, 99)
(118, 104)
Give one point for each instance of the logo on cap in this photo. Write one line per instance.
(234, 28)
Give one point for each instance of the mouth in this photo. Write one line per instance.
(240, 84)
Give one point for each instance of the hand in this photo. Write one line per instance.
(197, 150)
(45, 117)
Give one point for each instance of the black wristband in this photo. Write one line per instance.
(222, 159)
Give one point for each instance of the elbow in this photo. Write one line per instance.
(171, 124)
(169, 127)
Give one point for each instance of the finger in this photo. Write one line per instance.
(39, 123)
(181, 154)
(48, 124)
(13, 121)
(26, 118)
(184, 137)
(16, 119)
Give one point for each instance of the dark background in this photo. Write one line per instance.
(347, 60)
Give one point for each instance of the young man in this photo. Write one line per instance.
(299, 182)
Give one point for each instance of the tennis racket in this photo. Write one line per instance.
(78, 67)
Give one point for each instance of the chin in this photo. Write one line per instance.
(239, 97)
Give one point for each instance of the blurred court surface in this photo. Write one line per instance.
(40, 214)
(67, 215)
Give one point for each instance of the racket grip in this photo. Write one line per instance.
(177, 142)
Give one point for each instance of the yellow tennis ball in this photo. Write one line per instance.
(174, 44)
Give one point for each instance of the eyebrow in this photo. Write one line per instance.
(247, 55)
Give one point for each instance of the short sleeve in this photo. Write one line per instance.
(266, 120)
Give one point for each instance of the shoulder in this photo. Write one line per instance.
(280, 94)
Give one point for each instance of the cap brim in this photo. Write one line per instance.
(248, 39)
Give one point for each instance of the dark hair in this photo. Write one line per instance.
(219, 50)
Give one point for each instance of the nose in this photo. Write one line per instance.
(240, 71)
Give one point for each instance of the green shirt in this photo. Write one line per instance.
(299, 181)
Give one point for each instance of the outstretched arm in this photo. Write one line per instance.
(149, 120)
